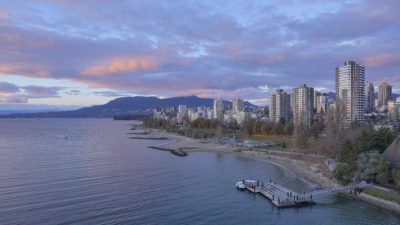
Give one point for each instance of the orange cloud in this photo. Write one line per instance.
(379, 60)
(22, 69)
(122, 65)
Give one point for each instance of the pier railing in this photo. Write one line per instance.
(284, 197)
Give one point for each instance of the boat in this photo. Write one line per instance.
(240, 185)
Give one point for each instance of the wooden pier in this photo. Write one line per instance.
(282, 197)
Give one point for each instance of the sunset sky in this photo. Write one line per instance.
(61, 52)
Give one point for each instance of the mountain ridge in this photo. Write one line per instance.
(138, 105)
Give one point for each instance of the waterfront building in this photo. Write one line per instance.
(182, 109)
(350, 93)
(279, 106)
(384, 94)
(242, 117)
(237, 105)
(210, 114)
(302, 102)
(182, 112)
(193, 115)
(219, 110)
(369, 97)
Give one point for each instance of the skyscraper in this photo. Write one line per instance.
(219, 110)
(350, 93)
(384, 94)
(369, 97)
(279, 106)
(182, 109)
(302, 102)
(237, 105)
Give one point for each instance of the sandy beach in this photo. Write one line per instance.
(309, 168)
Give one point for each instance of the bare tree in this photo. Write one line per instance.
(301, 135)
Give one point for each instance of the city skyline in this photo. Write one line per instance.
(74, 53)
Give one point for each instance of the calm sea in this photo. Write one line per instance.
(87, 171)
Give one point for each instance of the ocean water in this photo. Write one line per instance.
(87, 171)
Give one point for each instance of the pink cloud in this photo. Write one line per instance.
(122, 65)
(23, 69)
(4, 15)
(380, 60)
(390, 80)
(272, 60)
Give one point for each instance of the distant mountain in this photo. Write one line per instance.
(6, 109)
(331, 95)
(121, 106)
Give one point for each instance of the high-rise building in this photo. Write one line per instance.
(302, 102)
(350, 93)
(182, 109)
(392, 111)
(397, 107)
(219, 110)
(182, 112)
(384, 94)
(237, 105)
(369, 97)
(279, 106)
(320, 102)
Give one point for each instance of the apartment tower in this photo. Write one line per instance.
(350, 93)
(302, 102)
(384, 94)
(279, 106)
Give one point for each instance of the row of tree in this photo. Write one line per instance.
(360, 156)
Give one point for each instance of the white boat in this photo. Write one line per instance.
(240, 185)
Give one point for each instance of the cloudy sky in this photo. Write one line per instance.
(74, 52)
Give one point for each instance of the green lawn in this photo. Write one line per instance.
(383, 195)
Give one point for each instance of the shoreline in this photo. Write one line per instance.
(310, 169)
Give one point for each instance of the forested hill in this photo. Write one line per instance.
(122, 106)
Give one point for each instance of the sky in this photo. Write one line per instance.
(80, 53)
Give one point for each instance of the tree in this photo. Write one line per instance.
(365, 140)
(347, 153)
(396, 177)
(334, 130)
(343, 172)
(232, 125)
(383, 172)
(383, 139)
(301, 136)
(288, 129)
(372, 167)
(315, 129)
(278, 129)
(367, 163)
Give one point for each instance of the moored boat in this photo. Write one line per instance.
(240, 185)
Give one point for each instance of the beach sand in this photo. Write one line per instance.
(308, 167)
